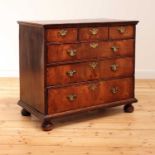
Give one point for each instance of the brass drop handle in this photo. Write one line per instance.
(93, 86)
(114, 67)
(115, 48)
(72, 52)
(121, 29)
(93, 31)
(71, 97)
(93, 65)
(71, 73)
(63, 32)
(94, 45)
(114, 90)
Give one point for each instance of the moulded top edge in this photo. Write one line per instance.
(47, 23)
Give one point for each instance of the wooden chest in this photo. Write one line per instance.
(73, 66)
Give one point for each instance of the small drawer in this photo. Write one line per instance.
(86, 95)
(121, 32)
(72, 52)
(93, 33)
(65, 35)
(89, 71)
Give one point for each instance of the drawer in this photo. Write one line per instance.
(86, 95)
(121, 32)
(71, 52)
(93, 33)
(61, 35)
(89, 71)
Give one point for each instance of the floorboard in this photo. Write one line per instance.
(102, 132)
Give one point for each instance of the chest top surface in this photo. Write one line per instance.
(73, 22)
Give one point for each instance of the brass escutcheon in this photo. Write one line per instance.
(114, 67)
(121, 29)
(114, 90)
(63, 32)
(93, 31)
(94, 45)
(72, 52)
(71, 97)
(115, 48)
(93, 65)
(71, 73)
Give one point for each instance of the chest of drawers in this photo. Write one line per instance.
(74, 66)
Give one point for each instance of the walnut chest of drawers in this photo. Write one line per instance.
(72, 66)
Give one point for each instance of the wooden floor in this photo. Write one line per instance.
(104, 132)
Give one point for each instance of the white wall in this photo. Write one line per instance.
(13, 10)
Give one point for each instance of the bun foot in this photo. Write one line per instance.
(24, 112)
(47, 126)
(129, 108)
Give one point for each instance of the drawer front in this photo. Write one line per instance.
(93, 33)
(80, 96)
(69, 52)
(121, 32)
(89, 71)
(62, 35)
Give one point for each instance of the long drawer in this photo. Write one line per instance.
(71, 52)
(90, 71)
(86, 95)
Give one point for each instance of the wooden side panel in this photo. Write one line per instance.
(31, 46)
